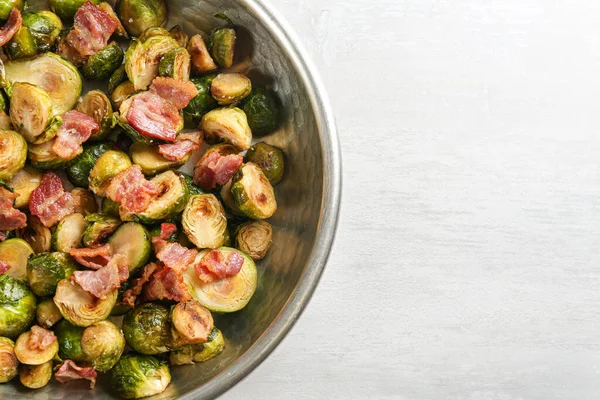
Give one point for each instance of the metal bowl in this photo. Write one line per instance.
(304, 224)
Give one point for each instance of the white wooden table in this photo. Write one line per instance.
(467, 262)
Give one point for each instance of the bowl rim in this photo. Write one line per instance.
(328, 221)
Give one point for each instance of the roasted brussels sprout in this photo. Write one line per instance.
(263, 111)
(252, 192)
(102, 64)
(136, 376)
(227, 125)
(30, 112)
(153, 31)
(121, 307)
(191, 353)
(254, 238)
(269, 159)
(110, 207)
(47, 314)
(230, 88)
(7, 5)
(68, 52)
(44, 271)
(118, 76)
(17, 306)
(102, 344)
(203, 102)
(227, 199)
(99, 228)
(23, 183)
(142, 59)
(35, 376)
(223, 295)
(21, 45)
(15, 252)
(192, 323)
(68, 233)
(9, 365)
(69, 341)
(175, 64)
(222, 46)
(174, 195)
(133, 241)
(5, 122)
(84, 201)
(98, 106)
(178, 34)
(80, 307)
(43, 157)
(13, 153)
(201, 60)
(122, 92)
(150, 160)
(66, 9)
(109, 164)
(139, 15)
(36, 234)
(79, 170)
(194, 190)
(204, 222)
(32, 354)
(44, 26)
(147, 329)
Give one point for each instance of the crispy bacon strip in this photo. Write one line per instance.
(92, 258)
(216, 167)
(104, 280)
(91, 30)
(175, 256)
(40, 338)
(10, 218)
(4, 267)
(49, 201)
(75, 129)
(215, 266)
(69, 371)
(153, 116)
(185, 144)
(179, 93)
(166, 284)
(131, 189)
(12, 26)
(131, 295)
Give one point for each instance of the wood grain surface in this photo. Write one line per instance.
(466, 264)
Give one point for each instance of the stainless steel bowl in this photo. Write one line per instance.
(304, 224)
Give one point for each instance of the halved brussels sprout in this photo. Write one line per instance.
(80, 307)
(133, 241)
(252, 192)
(121, 93)
(136, 376)
(263, 111)
(203, 102)
(68, 233)
(204, 222)
(191, 353)
(43, 157)
(84, 201)
(78, 171)
(109, 164)
(229, 125)
(47, 314)
(97, 105)
(223, 295)
(21, 45)
(7, 5)
(15, 252)
(44, 26)
(23, 183)
(5, 122)
(230, 88)
(44, 271)
(222, 46)
(173, 197)
(99, 228)
(175, 64)
(66, 9)
(9, 365)
(58, 77)
(13, 153)
(109, 207)
(118, 76)
(102, 64)
(69, 341)
(254, 238)
(102, 344)
(17, 306)
(269, 159)
(150, 160)
(36, 234)
(153, 31)
(192, 323)
(227, 199)
(106, 7)
(142, 59)
(35, 376)
(139, 15)
(147, 329)
(201, 60)
(178, 34)
(34, 355)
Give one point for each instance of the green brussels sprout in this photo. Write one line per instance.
(120, 31)
(122, 92)
(7, 5)
(150, 160)
(191, 323)
(121, 307)
(223, 295)
(204, 222)
(47, 314)
(102, 344)
(133, 241)
(36, 235)
(66, 9)
(17, 306)
(68, 233)
(34, 355)
(100, 227)
(153, 31)
(227, 199)
(13, 153)
(269, 159)
(194, 190)
(23, 183)
(142, 59)
(97, 105)
(110, 207)
(80, 307)
(118, 76)
(9, 365)
(15, 252)
(69, 341)
(44, 26)
(200, 58)
(21, 45)
(263, 111)
(43, 157)
(84, 201)
(252, 192)
(44, 271)
(203, 102)
(222, 46)
(139, 15)
(147, 329)
(35, 376)
(230, 88)
(174, 195)
(78, 171)
(254, 238)
(109, 164)
(175, 64)
(178, 34)
(102, 64)
(136, 376)
(191, 353)
(227, 125)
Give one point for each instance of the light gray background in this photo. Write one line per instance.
(466, 264)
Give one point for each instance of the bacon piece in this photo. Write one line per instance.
(75, 129)
(12, 25)
(131, 189)
(3, 236)
(104, 280)
(175, 256)
(167, 230)
(166, 284)
(216, 167)
(153, 116)
(215, 266)
(40, 338)
(91, 30)
(3, 267)
(49, 201)
(92, 258)
(10, 218)
(184, 144)
(69, 371)
(179, 93)
(131, 295)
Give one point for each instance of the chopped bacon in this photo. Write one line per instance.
(10, 218)
(131, 295)
(12, 25)
(166, 284)
(91, 30)
(49, 201)
(92, 258)
(179, 93)
(131, 189)
(216, 167)
(69, 371)
(153, 116)
(184, 144)
(215, 266)
(167, 230)
(75, 129)
(4, 267)
(104, 280)
(175, 256)
(40, 338)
